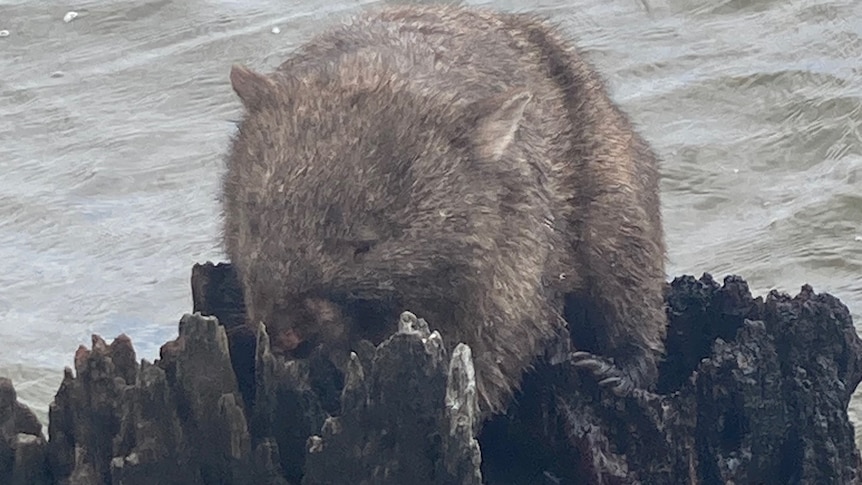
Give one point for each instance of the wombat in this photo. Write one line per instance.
(464, 163)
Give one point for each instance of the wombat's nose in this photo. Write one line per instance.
(288, 340)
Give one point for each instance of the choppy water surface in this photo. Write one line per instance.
(112, 128)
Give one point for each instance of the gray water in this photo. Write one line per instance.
(113, 125)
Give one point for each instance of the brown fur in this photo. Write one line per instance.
(465, 163)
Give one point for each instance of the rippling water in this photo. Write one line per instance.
(112, 128)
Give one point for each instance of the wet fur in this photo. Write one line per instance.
(466, 164)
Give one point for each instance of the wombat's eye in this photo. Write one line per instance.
(362, 247)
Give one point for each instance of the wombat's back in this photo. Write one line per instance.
(468, 53)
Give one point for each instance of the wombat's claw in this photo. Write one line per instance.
(608, 375)
(616, 381)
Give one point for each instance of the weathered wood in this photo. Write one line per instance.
(22, 444)
(751, 391)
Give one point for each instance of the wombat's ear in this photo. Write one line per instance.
(252, 88)
(496, 120)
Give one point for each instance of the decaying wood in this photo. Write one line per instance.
(751, 391)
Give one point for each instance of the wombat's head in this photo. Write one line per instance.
(347, 183)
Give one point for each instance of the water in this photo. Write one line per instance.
(113, 125)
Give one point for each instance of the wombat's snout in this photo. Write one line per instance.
(287, 340)
(292, 344)
(312, 320)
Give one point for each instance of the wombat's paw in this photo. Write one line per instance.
(606, 372)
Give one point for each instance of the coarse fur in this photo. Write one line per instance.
(466, 164)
